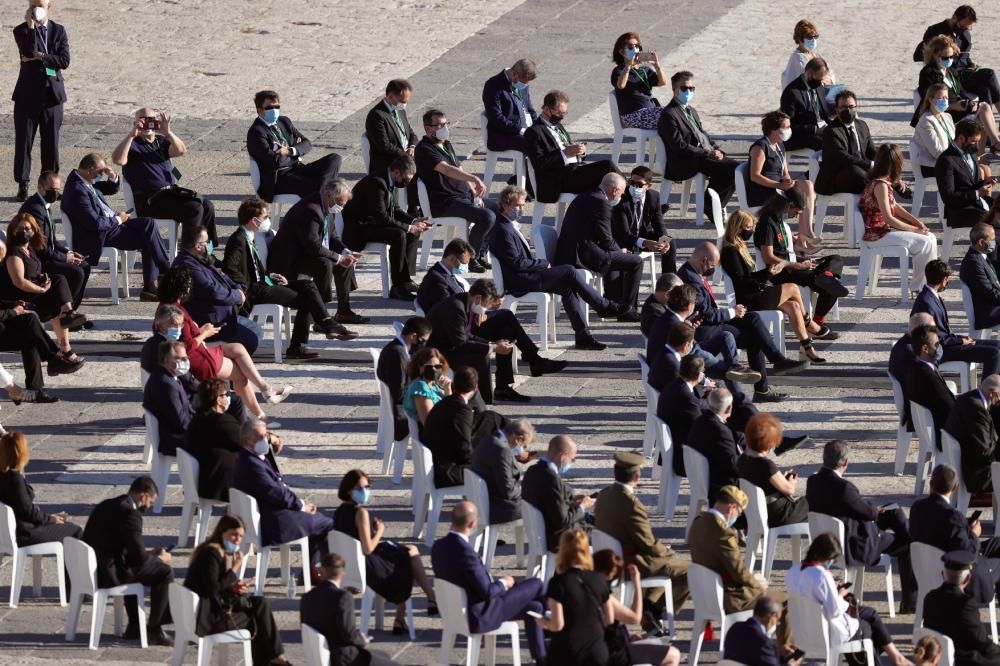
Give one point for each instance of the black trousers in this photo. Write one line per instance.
(586, 177)
(168, 204)
(751, 334)
(306, 179)
(76, 275)
(25, 334)
(894, 539)
(402, 250)
(804, 140)
(983, 82)
(157, 576)
(824, 299)
(503, 325)
(326, 274)
(303, 296)
(668, 260)
(50, 532)
(870, 626)
(27, 123)
(850, 179)
(721, 175)
(235, 332)
(622, 277)
(258, 619)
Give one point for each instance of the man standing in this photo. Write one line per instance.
(40, 92)
(390, 135)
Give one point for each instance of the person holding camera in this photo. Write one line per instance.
(145, 156)
(635, 75)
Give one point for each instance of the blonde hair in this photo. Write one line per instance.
(927, 650)
(13, 452)
(936, 45)
(574, 551)
(732, 234)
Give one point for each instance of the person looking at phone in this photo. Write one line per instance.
(764, 434)
(965, 184)
(752, 641)
(635, 75)
(146, 157)
(637, 222)
(227, 602)
(498, 458)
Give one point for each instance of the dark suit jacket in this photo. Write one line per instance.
(55, 250)
(651, 226)
(90, 224)
(166, 398)
(705, 301)
(35, 89)
(520, 269)
(454, 560)
(330, 610)
(959, 188)
(926, 387)
(546, 157)
(983, 286)
(929, 302)
(239, 263)
(937, 523)
(214, 440)
(301, 237)
(963, 38)
(650, 312)
(663, 370)
(281, 519)
(449, 321)
(713, 439)
(837, 154)
(681, 141)
(954, 613)
(503, 117)
(679, 407)
(545, 490)
(493, 460)
(383, 136)
(114, 531)
(448, 434)
(901, 360)
(835, 496)
(796, 103)
(214, 296)
(260, 146)
(972, 425)
(17, 493)
(369, 208)
(438, 284)
(656, 339)
(391, 369)
(586, 240)
(747, 643)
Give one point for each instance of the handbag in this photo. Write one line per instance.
(616, 635)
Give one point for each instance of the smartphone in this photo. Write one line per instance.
(798, 654)
(170, 548)
(539, 616)
(994, 179)
(130, 211)
(666, 238)
(890, 507)
(645, 56)
(975, 516)
(846, 586)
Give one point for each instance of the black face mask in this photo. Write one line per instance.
(430, 374)
(417, 345)
(972, 148)
(814, 83)
(847, 116)
(52, 195)
(556, 118)
(21, 237)
(746, 234)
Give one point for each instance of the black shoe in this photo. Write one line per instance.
(831, 285)
(60, 366)
(769, 396)
(789, 443)
(825, 333)
(350, 318)
(786, 366)
(401, 293)
(72, 320)
(148, 296)
(301, 352)
(87, 325)
(612, 310)
(131, 632)
(546, 366)
(588, 343)
(508, 394)
(630, 316)
(34, 396)
(476, 267)
(22, 192)
(157, 637)
(432, 609)
(484, 262)
(334, 331)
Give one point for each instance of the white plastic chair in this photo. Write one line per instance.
(541, 563)
(280, 316)
(927, 458)
(600, 540)
(976, 333)
(184, 609)
(852, 215)
(706, 594)
(245, 507)
(393, 451)
(649, 431)
(162, 464)
(278, 200)
(188, 467)
(429, 498)
(923, 185)
(820, 523)
(477, 492)
(516, 156)
(171, 225)
(947, 645)
(903, 436)
(355, 576)
(545, 239)
(538, 208)
(666, 185)
(451, 226)
(381, 249)
(21, 554)
(870, 264)
(696, 467)
(995, 478)
(670, 483)
(81, 562)
(953, 456)
(641, 136)
(927, 567)
(453, 603)
(812, 633)
(116, 259)
(545, 309)
(741, 188)
(315, 646)
(758, 531)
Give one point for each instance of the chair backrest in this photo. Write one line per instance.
(822, 522)
(534, 528)
(8, 540)
(952, 454)
(183, 608)
(354, 559)
(927, 565)
(453, 604)
(188, 468)
(152, 430)
(81, 563)
(531, 179)
(245, 507)
(644, 373)
(423, 466)
(897, 396)
(67, 227)
(423, 198)
(665, 441)
(616, 119)
(545, 239)
(809, 625)
(483, 121)
(386, 421)
(706, 591)
(967, 304)
(814, 161)
(756, 511)
(127, 193)
(728, 290)
(918, 175)
(923, 425)
(696, 466)
(314, 644)
(366, 155)
(741, 186)
(477, 492)
(947, 645)
(603, 541)
(498, 273)
(254, 173)
(718, 213)
(661, 159)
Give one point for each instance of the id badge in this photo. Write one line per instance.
(50, 72)
(177, 173)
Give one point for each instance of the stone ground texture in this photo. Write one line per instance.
(204, 60)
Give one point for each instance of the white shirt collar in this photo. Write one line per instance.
(673, 351)
(931, 289)
(44, 202)
(250, 234)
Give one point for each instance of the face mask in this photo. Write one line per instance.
(772, 630)
(810, 43)
(417, 346)
(557, 118)
(209, 248)
(173, 333)
(401, 106)
(732, 521)
(98, 177)
(615, 202)
(230, 547)
(708, 271)
(336, 209)
(636, 192)
(941, 105)
(684, 96)
(830, 563)
(516, 214)
(261, 447)
(443, 133)
(183, 367)
(972, 148)
(630, 53)
(361, 496)
(21, 237)
(142, 508)
(39, 13)
(564, 468)
(518, 451)
(225, 403)
(991, 247)
(461, 269)
(478, 309)
(786, 133)
(271, 116)
(520, 87)
(938, 353)
(52, 195)
(847, 116)
(430, 374)
(946, 62)
(265, 225)
(746, 234)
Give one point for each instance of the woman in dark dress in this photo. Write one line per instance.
(214, 439)
(390, 568)
(633, 79)
(763, 432)
(225, 600)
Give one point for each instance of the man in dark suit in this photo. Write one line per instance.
(925, 385)
(557, 160)
(956, 347)
(869, 530)
(952, 611)
(374, 216)
(802, 102)
(165, 397)
(95, 223)
(848, 150)
(679, 343)
(713, 438)
(523, 273)
(690, 150)
(114, 531)
(901, 358)
(507, 104)
(390, 135)
(655, 305)
(496, 459)
(392, 363)
(243, 265)
(40, 92)
(680, 405)
(329, 609)
(491, 601)
(637, 222)
(934, 521)
(440, 281)
(586, 241)
(57, 258)
(543, 487)
(978, 272)
(278, 147)
(306, 243)
(751, 641)
(971, 422)
(965, 187)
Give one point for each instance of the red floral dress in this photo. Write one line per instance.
(875, 225)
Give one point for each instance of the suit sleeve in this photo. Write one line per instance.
(261, 149)
(301, 144)
(792, 104)
(506, 475)
(642, 536)
(135, 551)
(58, 55)
(348, 628)
(856, 507)
(463, 426)
(541, 158)
(732, 563)
(503, 248)
(390, 371)
(492, 102)
(376, 212)
(379, 137)
(312, 241)
(177, 416)
(674, 138)
(212, 291)
(835, 146)
(944, 174)
(267, 491)
(87, 215)
(655, 222)
(25, 40)
(234, 262)
(602, 230)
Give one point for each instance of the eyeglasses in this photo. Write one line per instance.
(444, 124)
(687, 88)
(272, 106)
(634, 45)
(635, 184)
(435, 366)
(852, 107)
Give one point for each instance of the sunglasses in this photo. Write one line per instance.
(272, 106)
(687, 88)
(436, 366)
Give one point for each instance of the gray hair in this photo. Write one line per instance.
(919, 319)
(990, 383)
(166, 314)
(525, 68)
(612, 180)
(835, 453)
(955, 576)
(335, 187)
(248, 429)
(766, 606)
(719, 400)
(980, 232)
(668, 281)
(509, 195)
(520, 428)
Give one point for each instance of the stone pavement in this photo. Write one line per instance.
(204, 61)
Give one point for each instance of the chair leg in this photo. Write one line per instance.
(890, 594)
(426, 240)
(177, 655)
(73, 618)
(472, 650)
(263, 558)
(384, 268)
(409, 620)
(306, 567)
(902, 449)
(993, 619)
(864, 271)
(433, 515)
(97, 618)
(204, 652)
(201, 527)
(17, 578)
(61, 576)
(616, 147)
(187, 518)
(367, 601)
(399, 460)
(491, 167)
(697, 636)
(447, 642)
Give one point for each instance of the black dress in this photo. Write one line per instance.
(387, 568)
(781, 509)
(210, 578)
(214, 440)
(773, 168)
(47, 305)
(32, 524)
(581, 641)
(753, 288)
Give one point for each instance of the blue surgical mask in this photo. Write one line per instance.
(810, 43)
(230, 547)
(209, 248)
(684, 96)
(630, 53)
(732, 522)
(519, 86)
(636, 192)
(271, 116)
(938, 353)
(941, 105)
(173, 333)
(946, 62)
(99, 177)
(461, 269)
(564, 468)
(615, 202)
(518, 451)
(361, 496)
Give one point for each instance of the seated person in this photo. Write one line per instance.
(57, 258)
(965, 185)
(391, 568)
(284, 517)
(145, 156)
(806, 37)
(925, 385)
(767, 173)
(427, 383)
(307, 244)
(243, 265)
(633, 79)
(934, 131)
(391, 367)
(889, 223)
(751, 641)
(637, 222)
(956, 347)
(711, 436)
(970, 422)
(848, 150)
(690, 150)
(523, 273)
(390, 135)
(21, 331)
(655, 305)
(165, 397)
(373, 215)
(802, 101)
(763, 434)
(451, 190)
(544, 488)
(213, 438)
(901, 358)
(95, 223)
(586, 241)
(869, 530)
(441, 280)
(508, 108)
(758, 291)
(557, 160)
(979, 274)
(497, 459)
(981, 80)
(454, 426)
(277, 147)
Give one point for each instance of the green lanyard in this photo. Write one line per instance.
(279, 135)
(399, 123)
(562, 133)
(691, 118)
(642, 75)
(443, 149)
(953, 82)
(944, 127)
(813, 100)
(253, 248)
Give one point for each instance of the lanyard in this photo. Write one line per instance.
(953, 82)
(781, 155)
(813, 99)
(443, 149)
(562, 133)
(944, 127)
(253, 248)
(642, 74)
(278, 134)
(43, 32)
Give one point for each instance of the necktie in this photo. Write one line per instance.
(99, 200)
(708, 287)
(51, 228)
(279, 135)
(43, 34)
(970, 165)
(815, 105)
(993, 272)
(399, 125)
(258, 265)
(852, 137)
(636, 216)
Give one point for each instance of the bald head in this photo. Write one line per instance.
(463, 517)
(562, 450)
(613, 185)
(704, 258)
(919, 319)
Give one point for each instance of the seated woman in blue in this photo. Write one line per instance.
(428, 383)
(634, 78)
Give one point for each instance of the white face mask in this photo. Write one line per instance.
(786, 133)
(225, 403)
(478, 309)
(442, 133)
(183, 367)
(39, 13)
(261, 447)
(264, 226)
(336, 209)
(401, 106)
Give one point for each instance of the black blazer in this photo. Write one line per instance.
(937, 523)
(656, 339)
(963, 38)
(837, 154)
(983, 285)
(17, 493)
(391, 369)
(953, 612)
(449, 319)
(214, 440)
(383, 137)
(546, 157)
(926, 387)
(679, 407)
(300, 236)
(746, 281)
(503, 115)
(448, 434)
(238, 263)
(747, 643)
(835, 496)
(330, 610)
(796, 103)
(370, 208)
(932, 304)
(55, 250)
(166, 398)
(35, 89)
(210, 578)
(663, 370)
(713, 439)
(650, 312)
(438, 284)
(114, 531)
(586, 240)
(684, 151)
(651, 226)
(963, 207)
(521, 270)
(260, 146)
(972, 425)
(545, 490)
(901, 361)
(493, 460)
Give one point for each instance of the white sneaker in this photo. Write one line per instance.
(274, 398)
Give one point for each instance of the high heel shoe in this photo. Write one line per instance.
(804, 353)
(34, 396)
